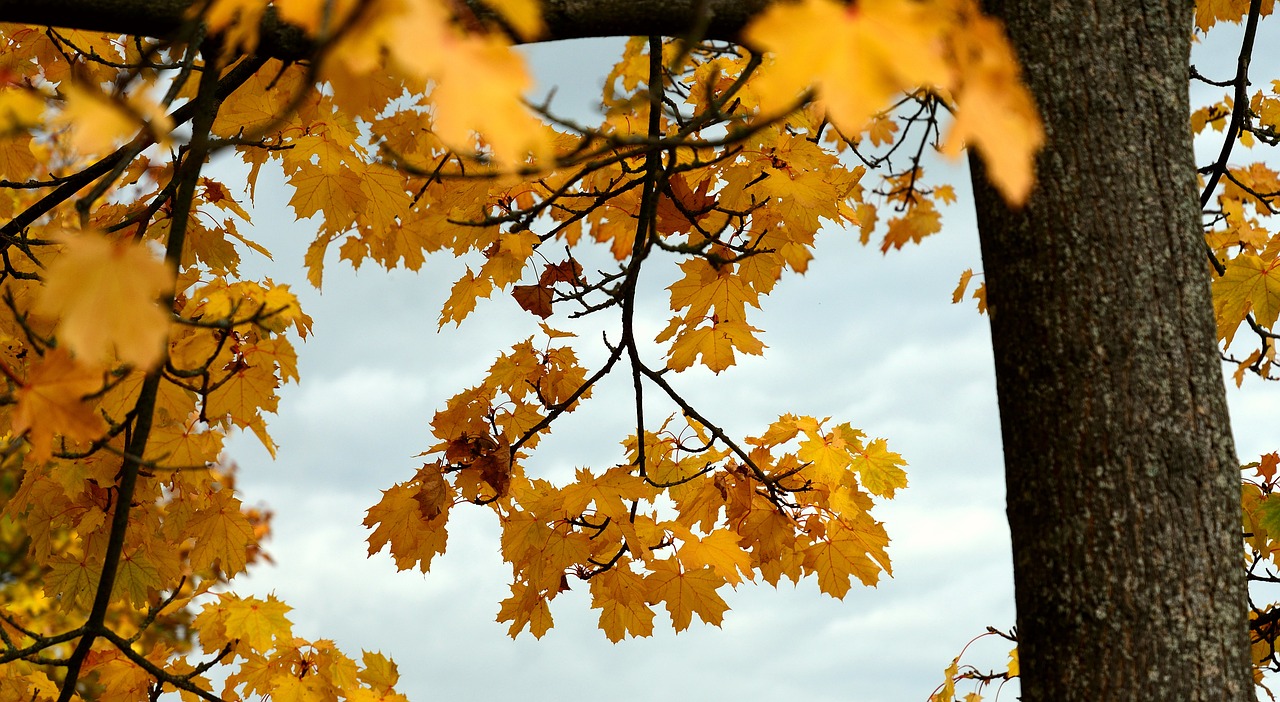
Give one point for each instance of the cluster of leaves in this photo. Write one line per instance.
(126, 367)
(130, 344)
(130, 347)
(714, 156)
(1241, 233)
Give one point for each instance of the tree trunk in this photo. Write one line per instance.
(1123, 485)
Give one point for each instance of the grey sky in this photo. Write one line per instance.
(862, 337)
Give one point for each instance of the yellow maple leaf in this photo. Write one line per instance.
(105, 294)
(122, 680)
(248, 388)
(860, 56)
(307, 14)
(524, 16)
(707, 289)
(75, 579)
(20, 110)
(621, 596)
(463, 296)
(1211, 12)
(715, 345)
(1251, 284)
(610, 494)
(479, 80)
(262, 100)
(237, 21)
(527, 607)
(138, 577)
(719, 550)
(97, 123)
(686, 592)
(699, 503)
(480, 89)
(879, 469)
(398, 522)
(507, 259)
(183, 444)
(913, 226)
(829, 453)
(250, 623)
(847, 552)
(994, 111)
(958, 294)
(338, 195)
(222, 534)
(380, 672)
(857, 56)
(947, 691)
(49, 403)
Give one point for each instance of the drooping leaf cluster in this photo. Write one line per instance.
(131, 345)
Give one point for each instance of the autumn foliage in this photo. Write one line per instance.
(131, 346)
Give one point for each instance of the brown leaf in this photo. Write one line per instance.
(433, 493)
(534, 299)
(466, 448)
(567, 271)
(495, 468)
(491, 457)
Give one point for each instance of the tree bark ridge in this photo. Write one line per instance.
(1123, 484)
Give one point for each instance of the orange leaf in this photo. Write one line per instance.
(50, 403)
(620, 595)
(1267, 466)
(398, 520)
(567, 271)
(962, 286)
(527, 607)
(674, 209)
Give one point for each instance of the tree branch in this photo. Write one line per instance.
(565, 19)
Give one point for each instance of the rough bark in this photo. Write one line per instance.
(1123, 485)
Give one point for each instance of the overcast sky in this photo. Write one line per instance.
(862, 337)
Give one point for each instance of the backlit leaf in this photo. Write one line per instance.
(105, 294)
